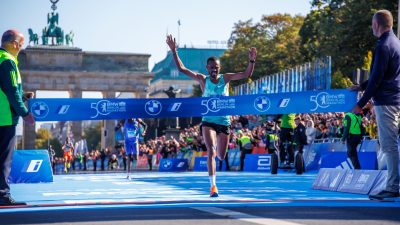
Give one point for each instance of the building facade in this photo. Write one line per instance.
(167, 74)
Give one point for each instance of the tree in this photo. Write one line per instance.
(196, 90)
(92, 135)
(55, 143)
(43, 137)
(339, 81)
(276, 38)
(342, 29)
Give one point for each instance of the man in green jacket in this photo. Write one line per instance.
(352, 135)
(11, 107)
(286, 138)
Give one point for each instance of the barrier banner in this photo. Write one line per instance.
(73, 109)
(380, 183)
(358, 181)
(313, 153)
(316, 154)
(200, 164)
(194, 156)
(329, 179)
(353, 181)
(173, 165)
(339, 160)
(368, 146)
(257, 162)
(30, 166)
(234, 157)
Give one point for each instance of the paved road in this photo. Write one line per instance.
(210, 215)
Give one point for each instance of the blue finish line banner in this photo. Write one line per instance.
(72, 109)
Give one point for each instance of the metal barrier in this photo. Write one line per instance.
(309, 76)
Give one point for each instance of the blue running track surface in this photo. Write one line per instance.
(186, 189)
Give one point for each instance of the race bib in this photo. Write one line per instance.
(131, 134)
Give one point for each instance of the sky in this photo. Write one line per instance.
(135, 26)
(140, 26)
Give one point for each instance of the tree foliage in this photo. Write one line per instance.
(56, 144)
(337, 28)
(339, 81)
(43, 137)
(276, 38)
(342, 29)
(197, 92)
(92, 135)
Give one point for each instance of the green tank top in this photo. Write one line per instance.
(215, 90)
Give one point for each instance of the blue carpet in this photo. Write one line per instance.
(186, 189)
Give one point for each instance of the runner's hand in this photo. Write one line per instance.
(171, 42)
(357, 109)
(252, 54)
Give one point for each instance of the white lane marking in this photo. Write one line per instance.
(243, 216)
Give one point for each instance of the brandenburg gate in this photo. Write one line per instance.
(54, 66)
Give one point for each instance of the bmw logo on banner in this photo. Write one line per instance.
(40, 109)
(166, 164)
(153, 107)
(262, 103)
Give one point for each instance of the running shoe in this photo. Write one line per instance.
(4, 201)
(214, 192)
(385, 195)
(129, 177)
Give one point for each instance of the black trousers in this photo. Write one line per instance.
(7, 146)
(243, 154)
(124, 161)
(150, 162)
(300, 148)
(286, 135)
(351, 143)
(85, 162)
(102, 162)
